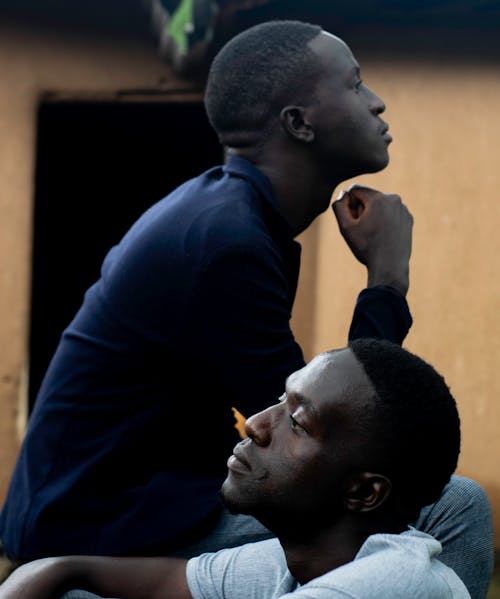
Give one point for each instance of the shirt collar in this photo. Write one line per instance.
(241, 167)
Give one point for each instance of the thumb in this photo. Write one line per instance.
(357, 201)
(347, 208)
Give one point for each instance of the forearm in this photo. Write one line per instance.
(127, 578)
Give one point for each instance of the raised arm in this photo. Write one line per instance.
(127, 578)
(377, 227)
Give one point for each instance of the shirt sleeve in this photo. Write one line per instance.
(381, 312)
(253, 571)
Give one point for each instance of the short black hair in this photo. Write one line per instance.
(416, 429)
(255, 74)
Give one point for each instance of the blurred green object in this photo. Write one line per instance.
(181, 24)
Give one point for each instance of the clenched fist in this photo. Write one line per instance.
(378, 229)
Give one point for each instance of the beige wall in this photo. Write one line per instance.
(445, 163)
(32, 63)
(445, 122)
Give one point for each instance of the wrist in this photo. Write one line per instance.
(400, 283)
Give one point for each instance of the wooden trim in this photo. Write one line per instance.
(177, 94)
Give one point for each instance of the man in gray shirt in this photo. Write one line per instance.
(362, 439)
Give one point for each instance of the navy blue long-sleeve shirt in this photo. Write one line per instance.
(126, 447)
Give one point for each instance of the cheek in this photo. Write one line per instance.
(299, 462)
(313, 491)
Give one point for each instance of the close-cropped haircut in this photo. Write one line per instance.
(255, 74)
(416, 426)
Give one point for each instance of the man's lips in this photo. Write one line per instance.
(384, 133)
(237, 462)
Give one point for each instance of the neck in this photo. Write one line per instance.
(325, 552)
(300, 191)
(311, 555)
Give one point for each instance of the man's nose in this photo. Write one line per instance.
(259, 426)
(377, 105)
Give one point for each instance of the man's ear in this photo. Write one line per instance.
(366, 491)
(295, 122)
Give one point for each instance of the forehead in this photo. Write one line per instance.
(333, 381)
(334, 54)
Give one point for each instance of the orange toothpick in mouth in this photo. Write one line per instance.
(240, 423)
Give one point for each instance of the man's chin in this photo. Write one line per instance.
(373, 165)
(228, 500)
(378, 165)
(234, 501)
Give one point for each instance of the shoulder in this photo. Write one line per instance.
(390, 566)
(219, 212)
(215, 198)
(214, 214)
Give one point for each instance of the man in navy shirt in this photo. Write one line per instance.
(126, 447)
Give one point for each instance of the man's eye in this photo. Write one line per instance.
(294, 425)
(358, 84)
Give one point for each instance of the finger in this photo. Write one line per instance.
(340, 207)
(361, 197)
(352, 203)
(356, 187)
(356, 205)
(347, 211)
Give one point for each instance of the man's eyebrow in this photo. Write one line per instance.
(305, 401)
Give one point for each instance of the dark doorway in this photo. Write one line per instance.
(99, 165)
